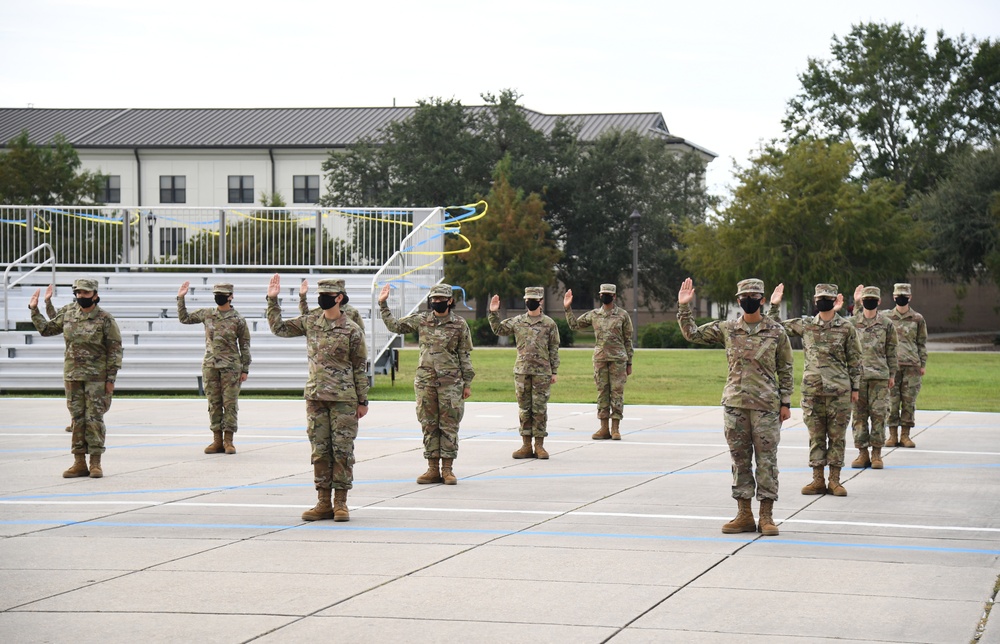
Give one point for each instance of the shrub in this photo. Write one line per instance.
(565, 333)
(482, 334)
(667, 335)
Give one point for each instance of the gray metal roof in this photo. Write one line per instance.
(323, 127)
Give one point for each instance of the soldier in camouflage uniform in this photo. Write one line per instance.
(612, 356)
(352, 313)
(831, 379)
(51, 312)
(878, 346)
(537, 338)
(226, 363)
(911, 328)
(756, 399)
(336, 392)
(93, 358)
(443, 380)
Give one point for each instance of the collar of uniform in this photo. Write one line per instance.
(752, 329)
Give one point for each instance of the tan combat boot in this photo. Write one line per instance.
(432, 475)
(818, 485)
(891, 438)
(904, 437)
(743, 522)
(79, 467)
(227, 443)
(525, 451)
(834, 487)
(766, 526)
(602, 434)
(216, 447)
(876, 458)
(322, 509)
(69, 427)
(540, 450)
(95, 466)
(340, 512)
(446, 474)
(615, 436)
(862, 461)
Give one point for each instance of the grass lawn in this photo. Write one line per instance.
(967, 381)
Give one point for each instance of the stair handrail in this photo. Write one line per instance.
(7, 285)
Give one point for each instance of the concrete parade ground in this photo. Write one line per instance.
(607, 541)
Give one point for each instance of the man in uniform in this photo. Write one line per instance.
(831, 379)
(93, 358)
(537, 338)
(336, 392)
(612, 356)
(443, 379)
(226, 363)
(352, 313)
(911, 328)
(756, 399)
(878, 357)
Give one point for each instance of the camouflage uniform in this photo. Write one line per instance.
(50, 311)
(832, 371)
(878, 357)
(352, 313)
(337, 385)
(537, 340)
(612, 353)
(444, 369)
(759, 383)
(227, 358)
(93, 358)
(911, 329)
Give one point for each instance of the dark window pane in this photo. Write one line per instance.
(234, 195)
(180, 196)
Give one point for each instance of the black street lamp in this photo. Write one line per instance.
(634, 218)
(151, 222)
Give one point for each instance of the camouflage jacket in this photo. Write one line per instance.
(227, 337)
(348, 310)
(537, 340)
(445, 346)
(878, 345)
(93, 342)
(759, 356)
(338, 357)
(612, 332)
(911, 329)
(832, 353)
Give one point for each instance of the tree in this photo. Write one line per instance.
(963, 216)
(905, 109)
(797, 216)
(511, 247)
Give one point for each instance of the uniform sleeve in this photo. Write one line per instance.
(406, 325)
(303, 304)
(243, 338)
(359, 363)
(922, 341)
(465, 354)
(793, 327)
(506, 327)
(50, 308)
(283, 328)
(710, 333)
(189, 318)
(554, 347)
(577, 323)
(627, 340)
(113, 347)
(784, 364)
(854, 364)
(47, 327)
(891, 348)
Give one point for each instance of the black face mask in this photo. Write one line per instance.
(824, 305)
(327, 301)
(532, 304)
(902, 300)
(750, 304)
(870, 304)
(440, 307)
(87, 302)
(607, 298)
(221, 298)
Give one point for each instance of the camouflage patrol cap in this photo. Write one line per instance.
(901, 288)
(331, 286)
(84, 285)
(825, 290)
(534, 293)
(609, 288)
(223, 288)
(871, 292)
(441, 290)
(752, 285)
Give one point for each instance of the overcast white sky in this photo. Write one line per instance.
(720, 72)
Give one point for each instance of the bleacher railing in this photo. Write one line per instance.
(50, 261)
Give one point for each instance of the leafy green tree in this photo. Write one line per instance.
(797, 216)
(905, 108)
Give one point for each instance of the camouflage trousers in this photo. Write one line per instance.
(222, 389)
(826, 417)
(532, 403)
(903, 397)
(332, 427)
(440, 409)
(873, 402)
(87, 401)
(610, 379)
(751, 433)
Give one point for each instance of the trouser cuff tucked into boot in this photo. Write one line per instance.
(525, 450)
(603, 433)
(540, 450)
(447, 475)
(743, 522)
(766, 526)
(862, 461)
(216, 447)
(432, 475)
(340, 512)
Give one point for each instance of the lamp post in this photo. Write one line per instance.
(634, 218)
(151, 222)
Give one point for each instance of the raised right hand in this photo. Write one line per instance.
(568, 299)
(274, 288)
(33, 302)
(304, 287)
(777, 294)
(858, 291)
(383, 295)
(686, 294)
(183, 290)
(50, 289)
(495, 304)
